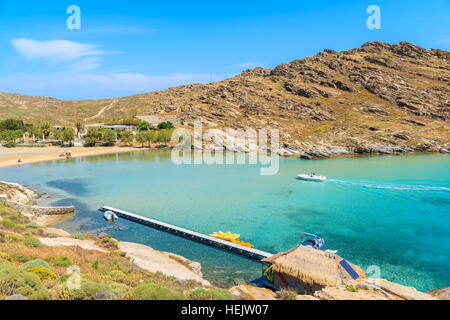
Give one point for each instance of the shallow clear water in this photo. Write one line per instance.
(390, 211)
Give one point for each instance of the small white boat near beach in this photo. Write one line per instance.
(311, 177)
(110, 216)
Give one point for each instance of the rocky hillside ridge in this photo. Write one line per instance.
(379, 98)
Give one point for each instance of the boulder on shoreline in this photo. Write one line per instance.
(440, 293)
(167, 263)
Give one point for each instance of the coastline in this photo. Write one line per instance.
(30, 155)
(10, 157)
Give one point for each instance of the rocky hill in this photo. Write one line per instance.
(379, 98)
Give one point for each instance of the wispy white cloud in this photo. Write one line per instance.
(59, 50)
(446, 40)
(84, 64)
(79, 75)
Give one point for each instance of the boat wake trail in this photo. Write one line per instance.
(398, 187)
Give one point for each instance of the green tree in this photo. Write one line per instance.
(46, 128)
(64, 135)
(36, 131)
(150, 137)
(92, 136)
(141, 138)
(164, 136)
(79, 127)
(143, 125)
(57, 135)
(126, 136)
(10, 135)
(165, 125)
(68, 135)
(109, 136)
(11, 124)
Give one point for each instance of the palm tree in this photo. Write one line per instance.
(46, 128)
(79, 127)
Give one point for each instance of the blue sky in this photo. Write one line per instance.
(130, 47)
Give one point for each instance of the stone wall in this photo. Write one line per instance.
(40, 211)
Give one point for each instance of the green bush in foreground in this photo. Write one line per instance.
(79, 236)
(150, 291)
(16, 281)
(8, 223)
(211, 294)
(286, 294)
(33, 242)
(14, 257)
(42, 273)
(118, 275)
(62, 261)
(34, 264)
(32, 225)
(87, 291)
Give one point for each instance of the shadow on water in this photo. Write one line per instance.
(76, 187)
(441, 202)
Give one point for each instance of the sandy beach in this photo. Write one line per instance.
(10, 156)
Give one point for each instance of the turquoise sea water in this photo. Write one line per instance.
(389, 211)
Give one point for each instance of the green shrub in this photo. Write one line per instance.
(87, 290)
(4, 262)
(119, 253)
(79, 236)
(150, 291)
(286, 294)
(42, 273)
(165, 125)
(40, 294)
(19, 257)
(16, 281)
(62, 261)
(20, 227)
(13, 238)
(211, 294)
(352, 288)
(34, 264)
(64, 277)
(11, 145)
(118, 276)
(95, 264)
(32, 225)
(8, 223)
(33, 242)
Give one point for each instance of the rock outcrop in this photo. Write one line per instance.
(441, 293)
(167, 263)
(246, 292)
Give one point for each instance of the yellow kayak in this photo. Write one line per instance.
(242, 243)
(232, 237)
(225, 236)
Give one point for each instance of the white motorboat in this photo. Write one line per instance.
(311, 177)
(110, 216)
